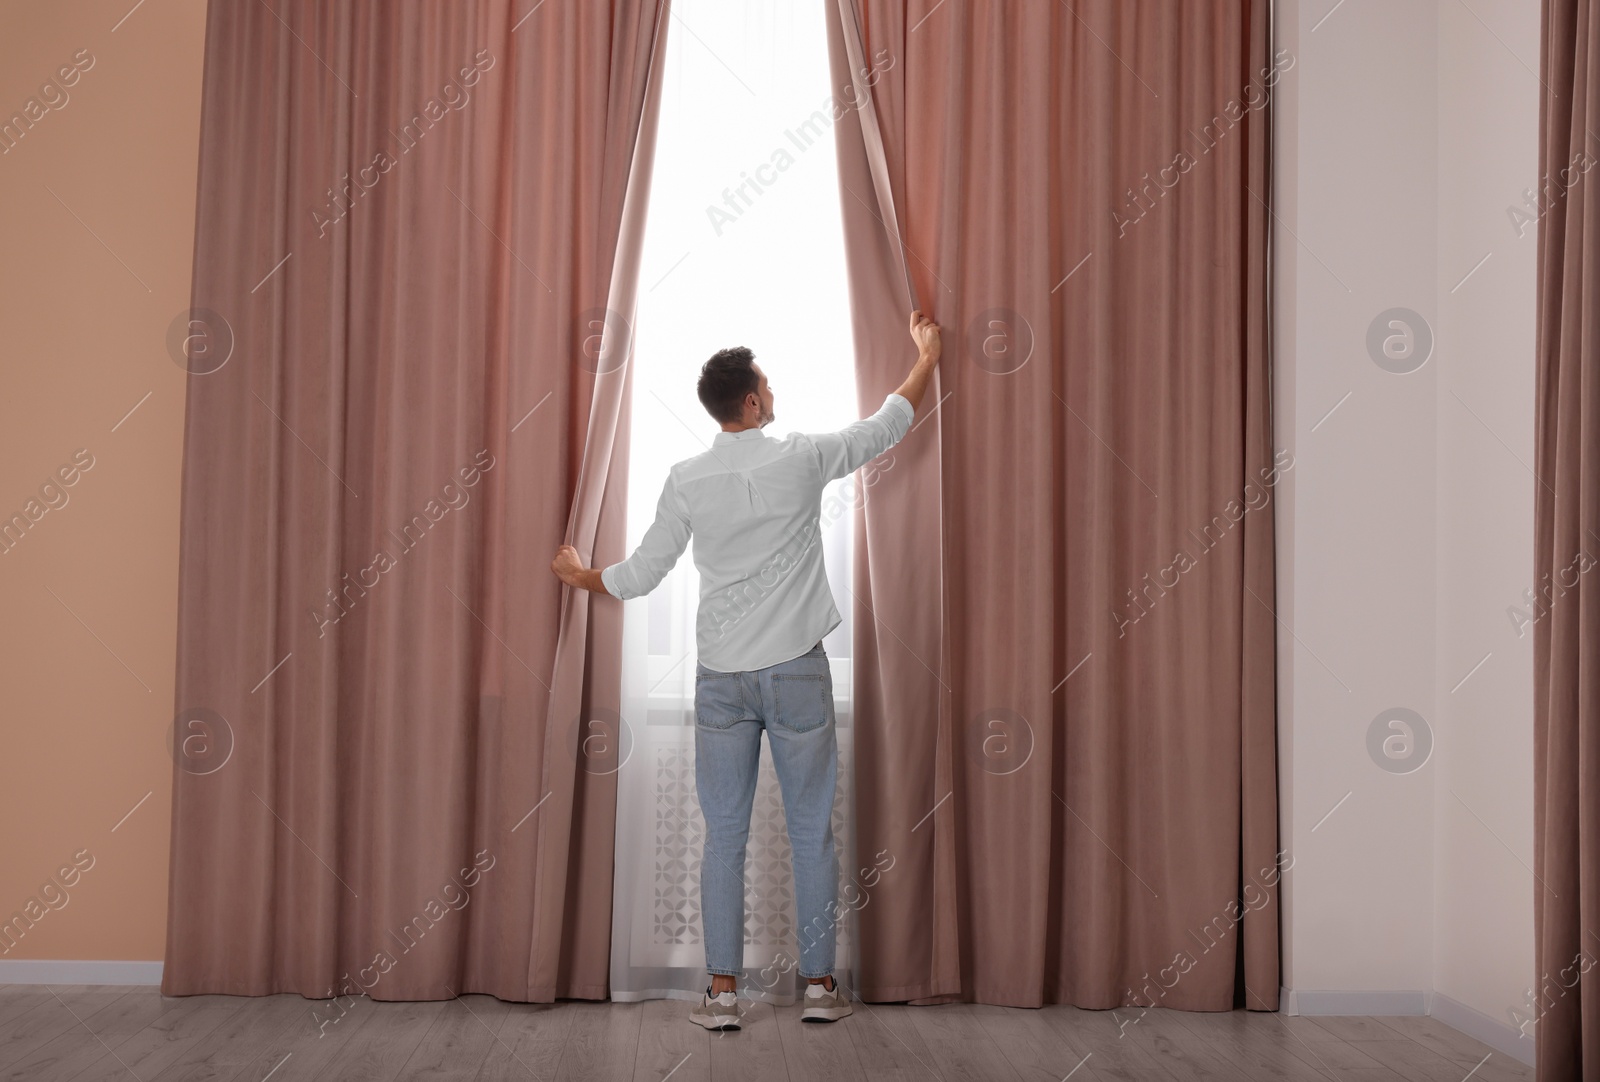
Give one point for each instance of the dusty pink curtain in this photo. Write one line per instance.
(1066, 757)
(1566, 668)
(416, 247)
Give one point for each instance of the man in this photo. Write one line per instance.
(753, 505)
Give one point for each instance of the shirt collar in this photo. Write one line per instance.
(747, 434)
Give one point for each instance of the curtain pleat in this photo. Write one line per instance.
(1066, 773)
(416, 247)
(1566, 707)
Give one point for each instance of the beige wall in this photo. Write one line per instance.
(97, 221)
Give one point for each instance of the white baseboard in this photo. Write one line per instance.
(43, 971)
(1501, 1036)
(1386, 1004)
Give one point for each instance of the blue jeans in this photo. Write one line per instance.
(793, 702)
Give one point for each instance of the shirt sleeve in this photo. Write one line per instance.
(663, 543)
(853, 446)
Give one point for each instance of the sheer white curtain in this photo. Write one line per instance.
(744, 246)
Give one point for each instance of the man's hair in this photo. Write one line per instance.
(724, 381)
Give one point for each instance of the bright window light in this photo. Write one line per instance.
(743, 246)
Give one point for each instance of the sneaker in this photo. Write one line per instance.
(716, 1012)
(823, 1005)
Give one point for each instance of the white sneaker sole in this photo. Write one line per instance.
(714, 1022)
(824, 1014)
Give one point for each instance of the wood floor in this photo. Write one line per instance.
(95, 1033)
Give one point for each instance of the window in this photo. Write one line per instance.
(743, 246)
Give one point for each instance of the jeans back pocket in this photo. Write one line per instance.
(718, 700)
(802, 701)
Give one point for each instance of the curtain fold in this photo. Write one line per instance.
(416, 252)
(1066, 774)
(1566, 810)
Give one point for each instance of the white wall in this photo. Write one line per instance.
(1403, 130)
(1356, 181)
(1489, 91)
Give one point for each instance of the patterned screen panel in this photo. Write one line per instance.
(673, 937)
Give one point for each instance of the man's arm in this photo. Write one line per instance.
(663, 543)
(843, 452)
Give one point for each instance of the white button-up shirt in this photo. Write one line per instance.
(753, 505)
